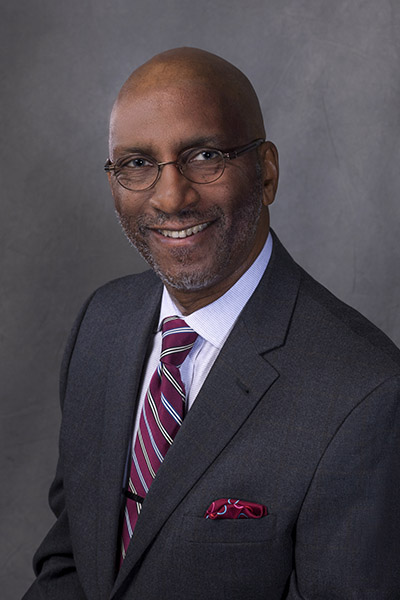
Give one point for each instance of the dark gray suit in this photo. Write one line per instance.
(300, 412)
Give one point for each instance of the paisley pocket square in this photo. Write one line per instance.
(229, 508)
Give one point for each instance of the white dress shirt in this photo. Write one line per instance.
(213, 323)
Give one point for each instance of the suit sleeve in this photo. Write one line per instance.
(348, 532)
(53, 563)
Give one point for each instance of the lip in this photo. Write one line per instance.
(183, 232)
(188, 239)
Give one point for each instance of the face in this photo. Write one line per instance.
(195, 236)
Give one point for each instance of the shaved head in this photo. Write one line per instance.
(191, 68)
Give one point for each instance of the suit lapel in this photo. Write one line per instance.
(238, 380)
(132, 338)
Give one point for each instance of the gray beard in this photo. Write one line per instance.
(244, 227)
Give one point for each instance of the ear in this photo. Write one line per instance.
(270, 171)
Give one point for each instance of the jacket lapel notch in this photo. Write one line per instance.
(267, 315)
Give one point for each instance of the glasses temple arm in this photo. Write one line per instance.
(247, 148)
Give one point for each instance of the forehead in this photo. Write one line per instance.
(167, 118)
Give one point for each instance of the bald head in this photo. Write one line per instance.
(191, 69)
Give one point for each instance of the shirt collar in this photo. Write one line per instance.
(215, 321)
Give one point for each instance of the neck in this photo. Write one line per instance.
(188, 301)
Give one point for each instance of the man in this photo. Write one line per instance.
(269, 468)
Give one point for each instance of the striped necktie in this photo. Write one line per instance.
(162, 414)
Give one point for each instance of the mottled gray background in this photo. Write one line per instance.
(327, 73)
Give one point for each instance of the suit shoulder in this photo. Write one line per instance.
(132, 300)
(342, 326)
(130, 290)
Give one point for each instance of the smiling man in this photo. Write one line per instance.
(198, 238)
(230, 429)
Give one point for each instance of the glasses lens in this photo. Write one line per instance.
(137, 174)
(202, 165)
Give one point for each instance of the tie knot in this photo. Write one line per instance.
(177, 341)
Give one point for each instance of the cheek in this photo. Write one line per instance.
(124, 203)
(239, 185)
(235, 206)
(117, 195)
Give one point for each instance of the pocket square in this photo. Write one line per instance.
(229, 508)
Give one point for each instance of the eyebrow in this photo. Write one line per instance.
(207, 141)
(210, 140)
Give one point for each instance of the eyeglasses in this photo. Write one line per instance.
(139, 172)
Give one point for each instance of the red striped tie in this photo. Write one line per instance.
(161, 417)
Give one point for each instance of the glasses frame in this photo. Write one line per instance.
(114, 168)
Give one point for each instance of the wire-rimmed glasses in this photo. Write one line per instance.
(139, 172)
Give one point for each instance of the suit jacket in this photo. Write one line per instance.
(300, 412)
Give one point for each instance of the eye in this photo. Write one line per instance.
(137, 162)
(204, 154)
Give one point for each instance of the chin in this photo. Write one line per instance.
(190, 281)
(184, 277)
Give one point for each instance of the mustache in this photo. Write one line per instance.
(185, 217)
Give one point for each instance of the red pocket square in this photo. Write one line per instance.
(229, 508)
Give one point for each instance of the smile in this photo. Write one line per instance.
(183, 233)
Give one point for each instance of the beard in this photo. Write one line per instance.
(232, 238)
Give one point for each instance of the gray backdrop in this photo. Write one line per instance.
(327, 74)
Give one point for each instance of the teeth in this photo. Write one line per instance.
(183, 233)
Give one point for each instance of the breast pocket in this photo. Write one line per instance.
(229, 531)
(234, 558)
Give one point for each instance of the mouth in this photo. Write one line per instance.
(183, 233)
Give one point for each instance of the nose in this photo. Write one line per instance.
(172, 192)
